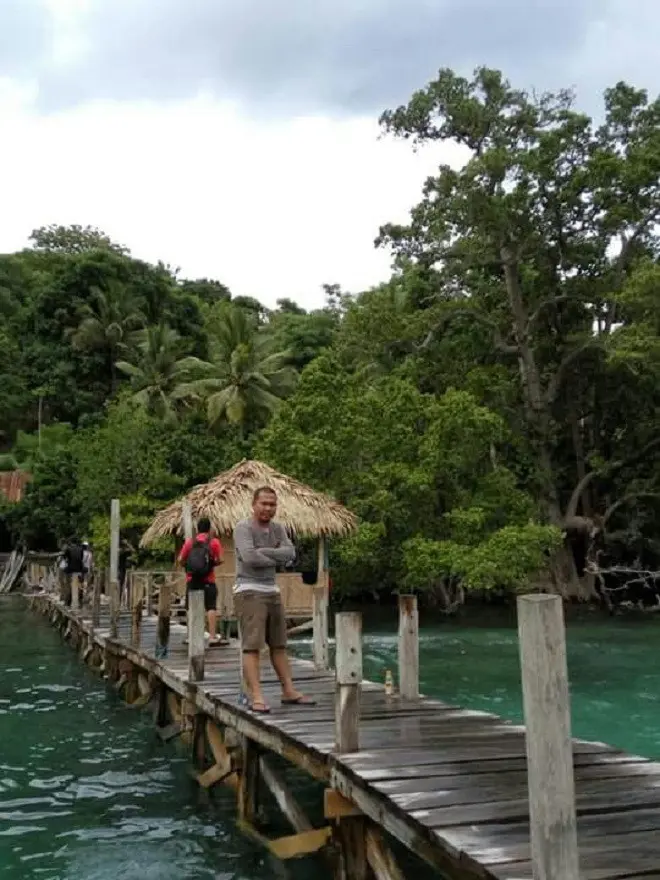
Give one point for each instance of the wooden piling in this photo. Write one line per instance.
(248, 789)
(114, 568)
(408, 648)
(283, 796)
(320, 640)
(196, 613)
(546, 704)
(380, 857)
(348, 679)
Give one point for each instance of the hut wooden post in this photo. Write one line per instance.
(320, 610)
(408, 648)
(114, 568)
(546, 705)
(195, 613)
(348, 676)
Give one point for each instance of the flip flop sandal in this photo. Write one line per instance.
(219, 643)
(302, 700)
(264, 710)
(247, 703)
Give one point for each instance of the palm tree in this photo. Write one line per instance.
(159, 373)
(244, 380)
(108, 323)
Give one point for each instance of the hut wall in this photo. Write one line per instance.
(228, 566)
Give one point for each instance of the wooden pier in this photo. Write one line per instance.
(448, 783)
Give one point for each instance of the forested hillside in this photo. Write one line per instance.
(490, 412)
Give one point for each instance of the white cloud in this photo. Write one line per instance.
(271, 210)
(270, 206)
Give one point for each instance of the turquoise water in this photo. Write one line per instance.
(88, 793)
(612, 662)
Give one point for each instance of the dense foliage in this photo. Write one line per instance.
(490, 412)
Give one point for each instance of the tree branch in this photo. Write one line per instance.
(626, 498)
(555, 383)
(608, 471)
(498, 339)
(626, 251)
(571, 509)
(533, 318)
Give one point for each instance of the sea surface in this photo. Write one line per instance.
(87, 792)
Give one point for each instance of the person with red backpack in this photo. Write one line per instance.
(199, 556)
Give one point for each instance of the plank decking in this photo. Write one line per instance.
(449, 783)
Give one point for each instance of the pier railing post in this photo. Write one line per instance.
(546, 703)
(408, 648)
(195, 613)
(320, 640)
(149, 594)
(164, 613)
(114, 569)
(96, 598)
(348, 677)
(320, 627)
(137, 599)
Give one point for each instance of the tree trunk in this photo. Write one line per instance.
(580, 460)
(537, 409)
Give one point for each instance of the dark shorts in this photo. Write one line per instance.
(261, 619)
(210, 597)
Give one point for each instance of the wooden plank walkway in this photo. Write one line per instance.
(449, 783)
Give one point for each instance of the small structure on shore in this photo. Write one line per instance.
(13, 485)
(227, 499)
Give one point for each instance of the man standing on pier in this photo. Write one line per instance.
(261, 546)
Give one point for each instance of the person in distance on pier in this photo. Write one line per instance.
(262, 545)
(200, 566)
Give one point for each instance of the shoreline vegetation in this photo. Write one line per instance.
(490, 412)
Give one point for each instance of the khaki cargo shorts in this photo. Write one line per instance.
(261, 619)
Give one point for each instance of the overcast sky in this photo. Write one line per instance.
(238, 139)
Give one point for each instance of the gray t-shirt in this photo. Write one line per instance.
(259, 550)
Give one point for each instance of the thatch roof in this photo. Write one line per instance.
(227, 499)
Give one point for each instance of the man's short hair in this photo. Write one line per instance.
(204, 525)
(262, 489)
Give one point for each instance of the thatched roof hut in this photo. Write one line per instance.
(227, 498)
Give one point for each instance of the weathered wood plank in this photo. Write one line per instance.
(449, 784)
